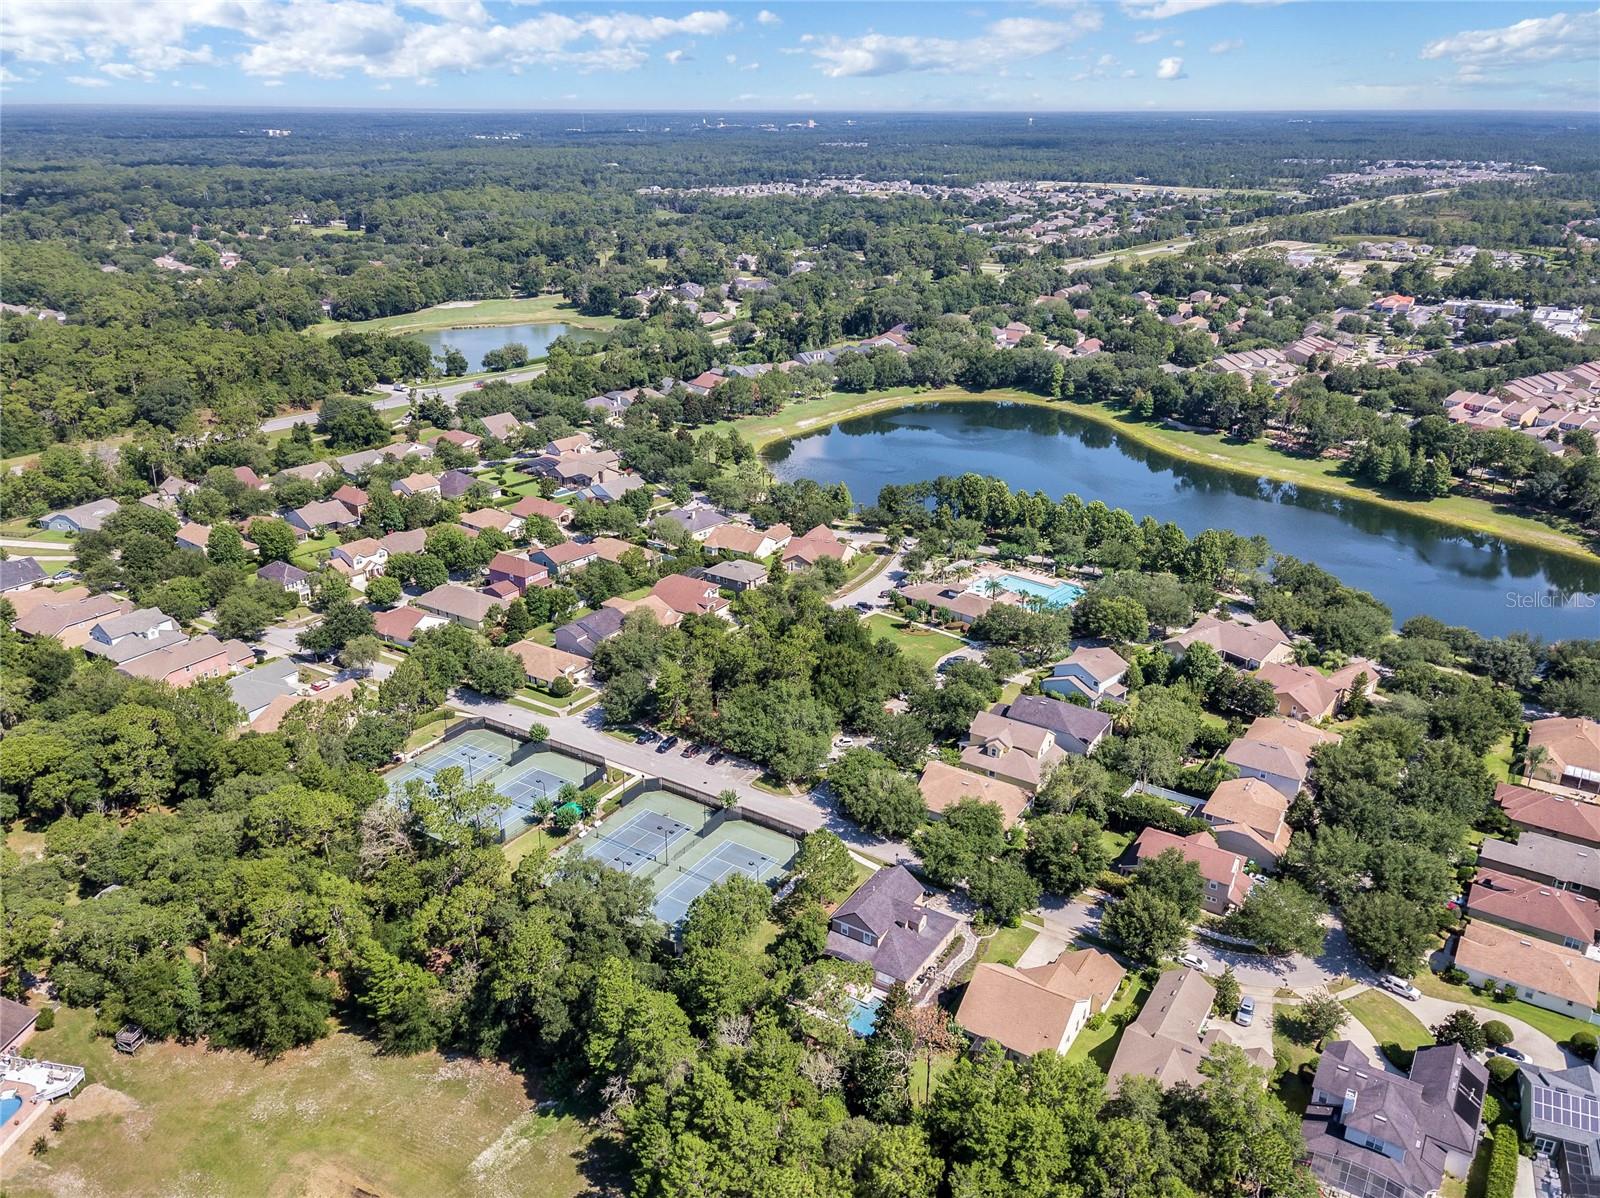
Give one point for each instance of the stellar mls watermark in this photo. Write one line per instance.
(1552, 598)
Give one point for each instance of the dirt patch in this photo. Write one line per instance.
(95, 1101)
(325, 1179)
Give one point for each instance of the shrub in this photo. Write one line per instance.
(1497, 1033)
(1502, 1176)
(46, 1020)
(1502, 1069)
(1400, 1057)
(1454, 976)
(1584, 1044)
(560, 686)
(40, 1146)
(1491, 1110)
(58, 1122)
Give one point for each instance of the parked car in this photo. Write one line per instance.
(1193, 962)
(716, 756)
(645, 738)
(1399, 985)
(693, 751)
(863, 606)
(321, 684)
(478, 386)
(1513, 1054)
(667, 745)
(1246, 1014)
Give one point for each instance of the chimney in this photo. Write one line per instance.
(1347, 1108)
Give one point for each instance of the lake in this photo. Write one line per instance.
(1414, 565)
(475, 341)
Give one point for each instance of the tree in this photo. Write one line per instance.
(1461, 1027)
(823, 867)
(1064, 852)
(1175, 878)
(1497, 1034)
(1114, 618)
(244, 615)
(1150, 927)
(1280, 917)
(359, 653)
(384, 591)
(876, 795)
(351, 423)
(1228, 994)
(494, 673)
(1002, 888)
(1322, 1016)
(274, 539)
(267, 1000)
(341, 623)
(225, 546)
(1389, 930)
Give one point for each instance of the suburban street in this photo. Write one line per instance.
(386, 400)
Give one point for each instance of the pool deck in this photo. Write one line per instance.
(11, 1132)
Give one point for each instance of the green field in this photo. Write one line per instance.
(337, 1118)
(1254, 459)
(1388, 1021)
(543, 309)
(1099, 1044)
(920, 644)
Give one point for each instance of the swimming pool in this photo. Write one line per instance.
(10, 1106)
(864, 1014)
(1063, 594)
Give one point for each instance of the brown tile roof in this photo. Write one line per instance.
(1572, 742)
(689, 595)
(534, 505)
(1506, 898)
(1302, 686)
(53, 618)
(1532, 964)
(944, 785)
(1252, 804)
(1561, 817)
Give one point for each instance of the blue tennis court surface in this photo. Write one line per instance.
(727, 859)
(639, 843)
(526, 787)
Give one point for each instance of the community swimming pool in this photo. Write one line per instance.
(1063, 594)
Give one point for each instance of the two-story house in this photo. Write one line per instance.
(888, 924)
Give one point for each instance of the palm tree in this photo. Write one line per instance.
(1534, 758)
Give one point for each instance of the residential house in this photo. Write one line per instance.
(1226, 883)
(193, 536)
(759, 543)
(888, 924)
(311, 472)
(518, 571)
(359, 560)
(1172, 1033)
(690, 596)
(1278, 751)
(128, 635)
(1077, 729)
(660, 611)
(492, 517)
(1370, 1133)
(1041, 1008)
(999, 747)
(608, 486)
(582, 637)
(1559, 863)
(1094, 673)
(321, 514)
(453, 484)
(1301, 692)
(416, 484)
(568, 555)
(532, 505)
(1544, 974)
(291, 578)
(86, 517)
(1248, 646)
(1570, 751)
(251, 479)
(1304, 350)
(187, 662)
(817, 544)
(576, 443)
(544, 664)
(271, 719)
(943, 786)
(1251, 818)
(353, 498)
(402, 625)
(501, 426)
(412, 540)
(951, 604)
(697, 521)
(20, 573)
(1559, 1113)
(460, 438)
(70, 620)
(459, 604)
(736, 575)
(16, 1024)
(1577, 820)
(1534, 909)
(254, 690)
(25, 603)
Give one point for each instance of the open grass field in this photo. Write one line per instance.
(1206, 449)
(1387, 1020)
(542, 309)
(920, 644)
(336, 1118)
(1099, 1044)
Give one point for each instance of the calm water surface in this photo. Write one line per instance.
(475, 342)
(1415, 566)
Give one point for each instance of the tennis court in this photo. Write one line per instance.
(637, 845)
(478, 754)
(727, 859)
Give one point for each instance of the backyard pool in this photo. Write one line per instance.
(1063, 594)
(864, 1014)
(9, 1107)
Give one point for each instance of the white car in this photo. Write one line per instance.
(1193, 962)
(1400, 986)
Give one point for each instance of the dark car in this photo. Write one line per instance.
(693, 751)
(667, 745)
(716, 756)
(644, 738)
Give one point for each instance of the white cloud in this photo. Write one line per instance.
(747, 96)
(1165, 10)
(1170, 68)
(88, 81)
(766, 17)
(751, 66)
(677, 56)
(1149, 37)
(1129, 73)
(1538, 39)
(1227, 45)
(1001, 43)
(1177, 43)
(415, 39)
(124, 70)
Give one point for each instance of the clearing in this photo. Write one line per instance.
(543, 309)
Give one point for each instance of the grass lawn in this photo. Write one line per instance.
(1114, 843)
(540, 696)
(533, 841)
(922, 645)
(925, 1075)
(1207, 449)
(433, 729)
(1388, 1021)
(305, 553)
(335, 1118)
(1007, 945)
(1553, 1024)
(1099, 1044)
(1294, 1092)
(23, 529)
(542, 309)
(1498, 760)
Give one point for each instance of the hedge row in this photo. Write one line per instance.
(1502, 1179)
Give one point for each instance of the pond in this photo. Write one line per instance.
(1416, 566)
(476, 340)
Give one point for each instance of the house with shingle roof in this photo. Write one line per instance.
(1545, 859)
(1556, 815)
(1571, 746)
(20, 573)
(1251, 818)
(944, 785)
(291, 578)
(459, 604)
(887, 923)
(1019, 753)
(85, 517)
(1077, 729)
(321, 513)
(1278, 751)
(1172, 1034)
(1096, 673)
(1041, 1008)
(1546, 975)
(69, 620)
(1248, 646)
(1534, 909)
(1226, 882)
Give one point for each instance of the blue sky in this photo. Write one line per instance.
(1048, 56)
